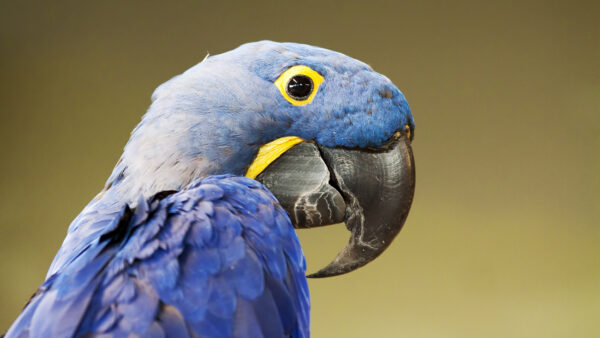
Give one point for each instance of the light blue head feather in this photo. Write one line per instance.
(213, 118)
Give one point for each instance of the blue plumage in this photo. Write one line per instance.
(166, 249)
(190, 264)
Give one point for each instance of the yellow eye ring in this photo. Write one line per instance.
(291, 76)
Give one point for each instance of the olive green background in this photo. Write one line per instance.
(503, 238)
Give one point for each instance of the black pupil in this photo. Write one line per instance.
(300, 87)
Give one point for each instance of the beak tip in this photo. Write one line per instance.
(370, 191)
(330, 271)
(372, 223)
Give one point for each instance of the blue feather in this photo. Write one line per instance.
(247, 323)
(172, 322)
(166, 249)
(247, 275)
(219, 285)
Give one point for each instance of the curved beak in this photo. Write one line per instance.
(370, 190)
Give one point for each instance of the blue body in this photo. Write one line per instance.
(219, 257)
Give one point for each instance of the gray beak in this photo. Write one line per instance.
(370, 190)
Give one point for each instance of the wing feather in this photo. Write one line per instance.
(217, 259)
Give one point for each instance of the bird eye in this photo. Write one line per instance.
(299, 87)
(299, 84)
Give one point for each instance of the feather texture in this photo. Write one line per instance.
(217, 259)
(162, 252)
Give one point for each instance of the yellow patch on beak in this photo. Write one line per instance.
(269, 153)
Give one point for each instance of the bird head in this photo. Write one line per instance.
(328, 135)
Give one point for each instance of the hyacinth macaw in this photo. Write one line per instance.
(193, 234)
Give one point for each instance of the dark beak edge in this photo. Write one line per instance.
(370, 190)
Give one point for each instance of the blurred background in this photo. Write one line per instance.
(503, 238)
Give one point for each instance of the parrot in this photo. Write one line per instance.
(194, 232)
